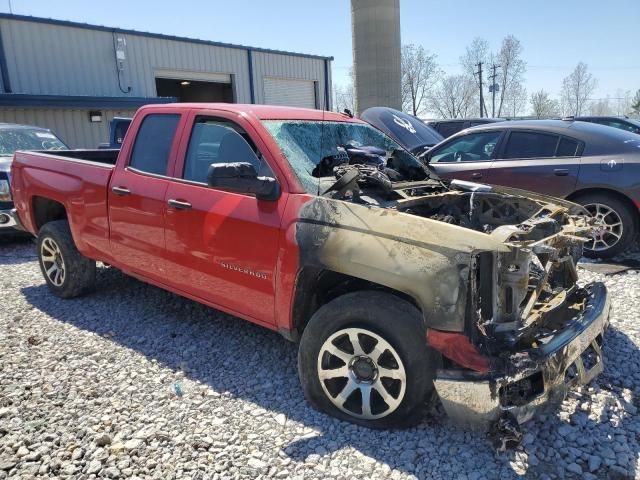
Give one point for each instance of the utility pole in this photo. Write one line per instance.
(493, 88)
(479, 73)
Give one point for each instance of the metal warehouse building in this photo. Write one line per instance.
(73, 77)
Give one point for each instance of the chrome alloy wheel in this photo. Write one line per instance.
(608, 227)
(361, 373)
(52, 261)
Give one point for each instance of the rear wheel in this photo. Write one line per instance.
(363, 358)
(617, 228)
(67, 272)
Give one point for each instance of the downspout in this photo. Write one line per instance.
(326, 85)
(252, 94)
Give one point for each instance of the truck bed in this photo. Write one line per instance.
(76, 180)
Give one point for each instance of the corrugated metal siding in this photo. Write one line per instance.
(293, 93)
(59, 60)
(71, 125)
(282, 66)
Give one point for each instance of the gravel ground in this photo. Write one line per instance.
(132, 381)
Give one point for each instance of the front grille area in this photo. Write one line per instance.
(523, 391)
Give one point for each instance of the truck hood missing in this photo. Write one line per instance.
(495, 263)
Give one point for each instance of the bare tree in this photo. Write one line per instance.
(542, 106)
(577, 88)
(477, 52)
(601, 106)
(622, 103)
(419, 74)
(453, 97)
(343, 97)
(510, 72)
(515, 101)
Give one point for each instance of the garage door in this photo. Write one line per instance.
(292, 93)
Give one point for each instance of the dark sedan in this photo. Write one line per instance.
(623, 123)
(593, 165)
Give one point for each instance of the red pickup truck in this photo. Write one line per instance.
(396, 284)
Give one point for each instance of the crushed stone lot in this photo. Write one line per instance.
(132, 381)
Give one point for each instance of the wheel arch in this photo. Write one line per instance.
(605, 191)
(46, 210)
(316, 286)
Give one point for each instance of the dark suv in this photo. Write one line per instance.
(623, 123)
(446, 128)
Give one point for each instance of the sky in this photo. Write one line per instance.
(555, 34)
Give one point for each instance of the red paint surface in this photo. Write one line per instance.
(188, 252)
(457, 347)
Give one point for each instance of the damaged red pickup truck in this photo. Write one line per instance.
(396, 284)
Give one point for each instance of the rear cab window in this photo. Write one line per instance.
(153, 143)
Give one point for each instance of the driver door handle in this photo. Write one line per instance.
(121, 191)
(561, 172)
(476, 175)
(179, 204)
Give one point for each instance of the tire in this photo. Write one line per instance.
(378, 320)
(67, 272)
(606, 244)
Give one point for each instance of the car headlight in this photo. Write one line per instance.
(5, 191)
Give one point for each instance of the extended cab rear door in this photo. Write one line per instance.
(137, 194)
(222, 247)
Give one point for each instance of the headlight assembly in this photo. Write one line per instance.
(5, 191)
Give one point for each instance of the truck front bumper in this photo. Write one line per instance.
(535, 378)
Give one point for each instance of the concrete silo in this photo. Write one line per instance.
(376, 53)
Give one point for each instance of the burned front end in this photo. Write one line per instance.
(537, 329)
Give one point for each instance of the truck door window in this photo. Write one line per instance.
(153, 143)
(219, 141)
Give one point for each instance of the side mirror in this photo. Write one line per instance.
(242, 177)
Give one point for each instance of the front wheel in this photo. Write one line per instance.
(67, 272)
(363, 358)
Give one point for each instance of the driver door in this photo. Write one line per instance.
(222, 247)
(467, 157)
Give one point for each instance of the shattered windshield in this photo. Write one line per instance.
(28, 139)
(315, 148)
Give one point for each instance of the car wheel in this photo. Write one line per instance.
(617, 225)
(67, 272)
(363, 358)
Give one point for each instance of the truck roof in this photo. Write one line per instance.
(262, 112)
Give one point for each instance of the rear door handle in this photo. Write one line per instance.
(476, 175)
(561, 172)
(179, 204)
(121, 191)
